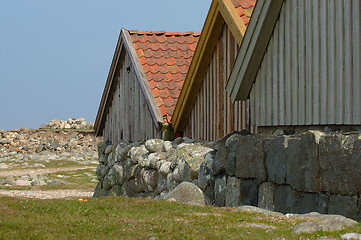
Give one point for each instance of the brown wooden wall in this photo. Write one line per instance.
(213, 114)
(128, 117)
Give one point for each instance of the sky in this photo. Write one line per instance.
(55, 55)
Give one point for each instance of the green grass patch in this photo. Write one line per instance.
(129, 218)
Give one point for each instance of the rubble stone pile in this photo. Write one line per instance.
(71, 123)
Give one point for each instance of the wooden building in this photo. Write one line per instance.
(300, 64)
(204, 110)
(143, 85)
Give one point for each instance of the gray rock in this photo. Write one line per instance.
(117, 176)
(121, 151)
(220, 186)
(167, 146)
(171, 184)
(21, 182)
(302, 167)
(56, 182)
(138, 155)
(108, 150)
(187, 193)
(222, 161)
(188, 140)
(233, 192)
(205, 175)
(319, 222)
(249, 192)
(182, 172)
(266, 196)
(249, 157)
(101, 148)
(355, 236)
(252, 209)
(4, 141)
(279, 132)
(312, 202)
(217, 144)
(340, 165)
(101, 171)
(150, 179)
(162, 184)
(97, 190)
(154, 158)
(165, 168)
(287, 200)
(194, 155)
(154, 145)
(116, 190)
(177, 141)
(343, 205)
(10, 180)
(276, 160)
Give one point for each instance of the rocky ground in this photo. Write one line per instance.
(49, 162)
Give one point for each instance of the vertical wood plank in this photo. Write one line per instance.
(356, 62)
(287, 64)
(315, 63)
(331, 117)
(309, 61)
(324, 105)
(340, 52)
(348, 99)
(302, 62)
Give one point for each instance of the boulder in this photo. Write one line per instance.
(121, 151)
(193, 155)
(340, 165)
(247, 152)
(266, 196)
(233, 192)
(164, 169)
(149, 179)
(220, 186)
(138, 155)
(154, 158)
(356, 236)
(154, 145)
(318, 222)
(188, 193)
(252, 209)
(205, 175)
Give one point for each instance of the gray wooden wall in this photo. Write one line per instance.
(128, 117)
(213, 114)
(310, 74)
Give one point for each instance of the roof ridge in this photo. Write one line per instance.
(164, 33)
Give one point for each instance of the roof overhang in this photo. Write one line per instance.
(221, 12)
(125, 46)
(253, 48)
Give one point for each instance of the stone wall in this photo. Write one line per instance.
(313, 171)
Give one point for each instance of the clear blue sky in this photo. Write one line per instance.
(55, 54)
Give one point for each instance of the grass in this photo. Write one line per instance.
(127, 218)
(82, 179)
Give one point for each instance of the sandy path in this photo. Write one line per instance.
(50, 194)
(39, 171)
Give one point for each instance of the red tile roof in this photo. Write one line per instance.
(244, 9)
(165, 57)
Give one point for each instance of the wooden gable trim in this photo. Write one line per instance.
(142, 80)
(124, 45)
(233, 20)
(253, 48)
(108, 89)
(221, 12)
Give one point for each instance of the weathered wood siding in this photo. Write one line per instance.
(128, 118)
(213, 114)
(310, 74)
